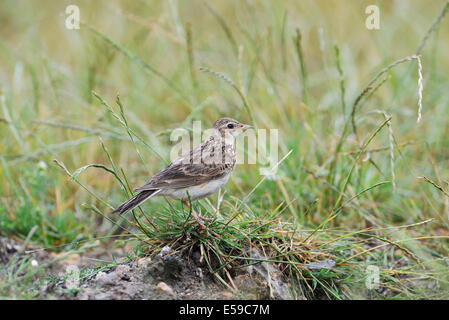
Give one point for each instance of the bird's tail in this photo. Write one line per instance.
(135, 201)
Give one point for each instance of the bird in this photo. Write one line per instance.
(196, 174)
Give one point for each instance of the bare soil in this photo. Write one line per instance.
(165, 276)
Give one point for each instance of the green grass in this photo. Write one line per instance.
(34, 213)
(364, 184)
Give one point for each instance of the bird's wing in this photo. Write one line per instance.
(182, 174)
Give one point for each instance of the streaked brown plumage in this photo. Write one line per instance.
(196, 174)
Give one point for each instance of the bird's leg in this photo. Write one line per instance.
(206, 219)
(199, 216)
(195, 215)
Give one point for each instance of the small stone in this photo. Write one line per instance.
(123, 271)
(165, 250)
(226, 294)
(34, 263)
(199, 273)
(104, 279)
(163, 287)
(143, 262)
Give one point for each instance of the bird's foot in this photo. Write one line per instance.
(196, 216)
(205, 219)
(198, 220)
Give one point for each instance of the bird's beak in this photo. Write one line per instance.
(246, 127)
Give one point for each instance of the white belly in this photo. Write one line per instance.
(196, 192)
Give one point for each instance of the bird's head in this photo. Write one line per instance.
(230, 126)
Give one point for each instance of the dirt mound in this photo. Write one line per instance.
(171, 276)
(167, 275)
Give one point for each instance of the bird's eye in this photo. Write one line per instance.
(230, 126)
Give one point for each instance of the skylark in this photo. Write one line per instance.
(196, 174)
